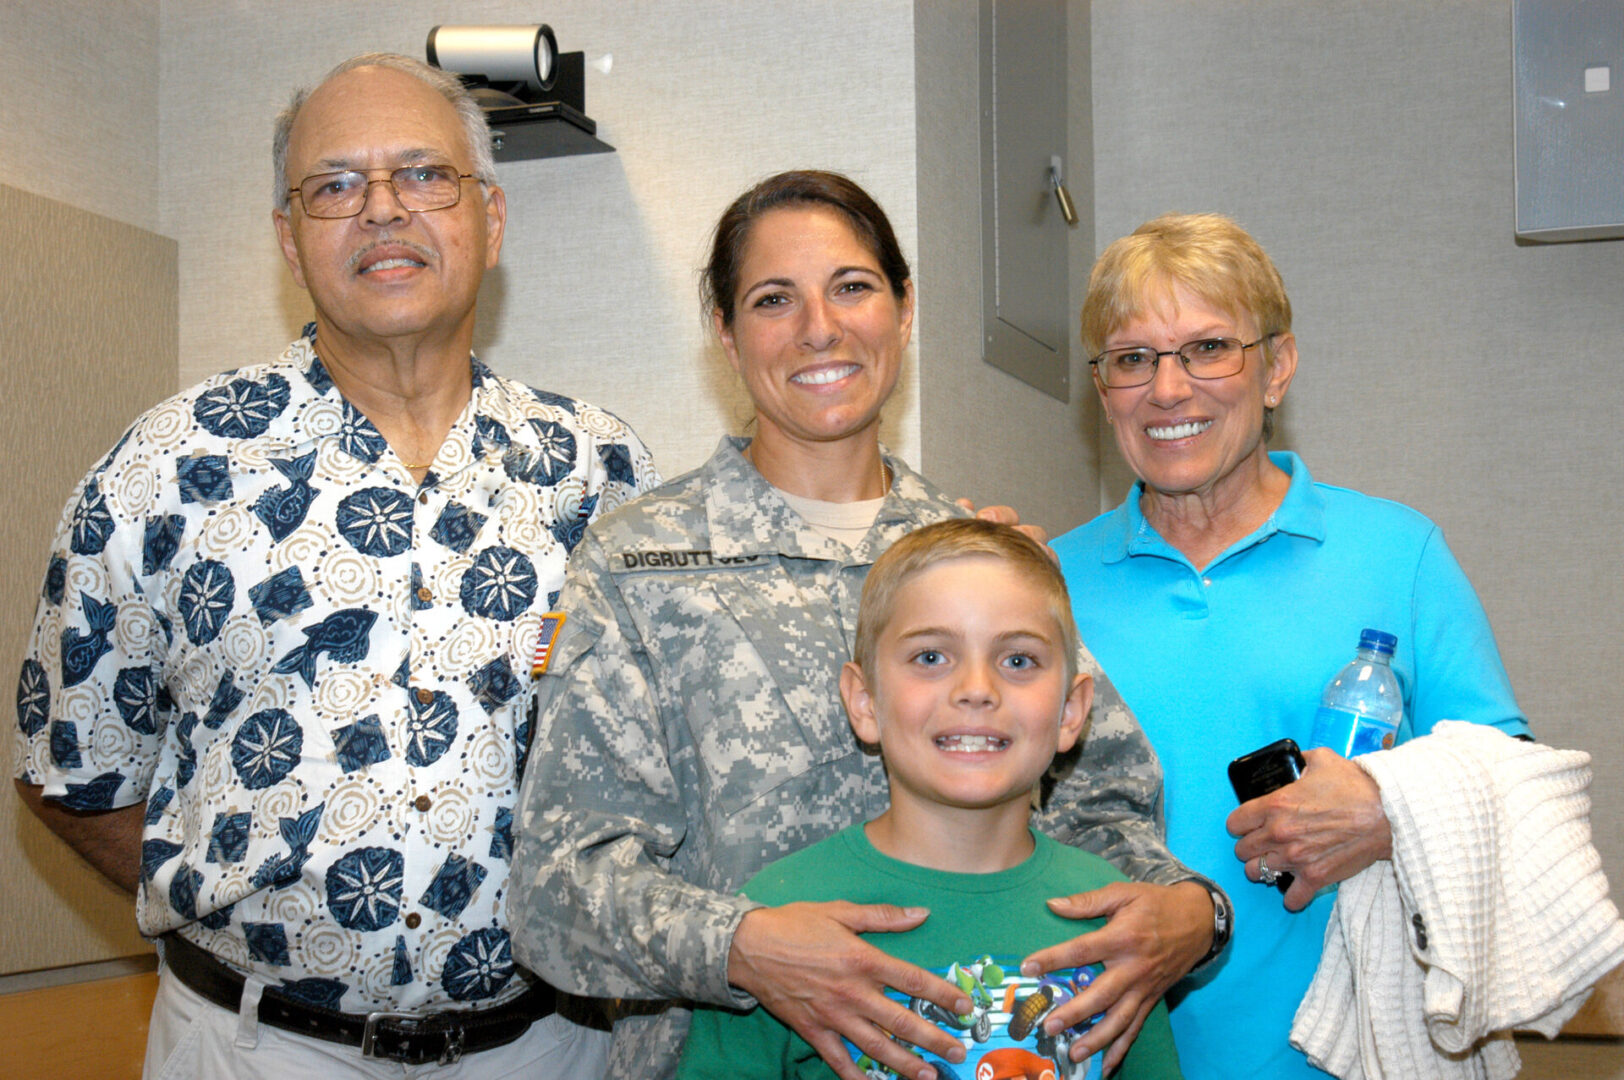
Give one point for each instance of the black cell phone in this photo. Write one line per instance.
(1265, 770)
(1262, 771)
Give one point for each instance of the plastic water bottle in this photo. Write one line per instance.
(1361, 708)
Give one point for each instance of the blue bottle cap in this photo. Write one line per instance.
(1379, 640)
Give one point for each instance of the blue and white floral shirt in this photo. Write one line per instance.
(315, 671)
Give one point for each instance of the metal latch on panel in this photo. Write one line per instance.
(533, 95)
(1026, 209)
(1057, 177)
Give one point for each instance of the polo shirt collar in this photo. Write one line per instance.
(1300, 513)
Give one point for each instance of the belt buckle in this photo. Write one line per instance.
(449, 1055)
(370, 1031)
(453, 1046)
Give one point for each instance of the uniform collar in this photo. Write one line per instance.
(1300, 513)
(746, 516)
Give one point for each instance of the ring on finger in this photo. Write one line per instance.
(1264, 874)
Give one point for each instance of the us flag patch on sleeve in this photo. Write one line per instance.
(551, 624)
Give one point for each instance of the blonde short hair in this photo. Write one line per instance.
(1209, 255)
(959, 538)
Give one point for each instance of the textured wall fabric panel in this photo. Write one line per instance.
(596, 293)
(1368, 146)
(89, 310)
(79, 104)
(986, 434)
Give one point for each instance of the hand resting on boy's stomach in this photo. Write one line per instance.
(1153, 937)
(806, 965)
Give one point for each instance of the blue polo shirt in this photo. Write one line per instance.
(1218, 662)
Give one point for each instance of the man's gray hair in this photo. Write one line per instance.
(476, 131)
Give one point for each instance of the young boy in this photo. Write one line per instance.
(965, 678)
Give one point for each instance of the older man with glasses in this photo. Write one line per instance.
(277, 680)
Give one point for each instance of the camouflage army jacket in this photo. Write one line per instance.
(691, 731)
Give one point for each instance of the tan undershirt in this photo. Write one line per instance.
(847, 522)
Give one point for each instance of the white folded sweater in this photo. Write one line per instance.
(1492, 914)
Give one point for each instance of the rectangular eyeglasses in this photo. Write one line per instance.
(1206, 358)
(418, 188)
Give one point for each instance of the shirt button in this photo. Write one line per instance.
(425, 594)
(1207, 581)
(423, 497)
(423, 802)
(425, 697)
(413, 921)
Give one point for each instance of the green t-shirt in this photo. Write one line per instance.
(980, 927)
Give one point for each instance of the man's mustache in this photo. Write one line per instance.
(423, 252)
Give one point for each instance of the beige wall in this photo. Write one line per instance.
(89, 310)
(87, 303)
(79, 104)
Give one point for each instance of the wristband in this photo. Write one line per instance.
(1223, 920)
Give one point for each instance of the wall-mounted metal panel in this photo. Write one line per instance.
(1025, 322)
(1569, 92)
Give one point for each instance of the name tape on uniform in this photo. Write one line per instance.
(683, 560)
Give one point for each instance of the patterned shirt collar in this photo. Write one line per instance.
(357, 437)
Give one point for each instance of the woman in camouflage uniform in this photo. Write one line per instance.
(690, 727)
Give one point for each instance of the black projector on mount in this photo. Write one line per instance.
(534, 96)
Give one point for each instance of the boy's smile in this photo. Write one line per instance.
(969, 700)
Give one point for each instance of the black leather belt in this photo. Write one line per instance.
(405, 1037)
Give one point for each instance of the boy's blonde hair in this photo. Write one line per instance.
(955, 539)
